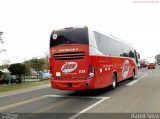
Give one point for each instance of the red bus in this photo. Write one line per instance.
(82, 59)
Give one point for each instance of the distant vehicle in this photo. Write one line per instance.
(8, 78)
(143, 63)
(82, 59)
(5, 78)
(2, 78)
(151, 65)
(13, 79)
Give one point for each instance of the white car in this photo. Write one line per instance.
(46, 75)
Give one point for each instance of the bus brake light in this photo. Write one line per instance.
(91, 72)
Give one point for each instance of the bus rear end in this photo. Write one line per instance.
(69, 59)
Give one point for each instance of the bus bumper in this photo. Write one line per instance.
(72, 85)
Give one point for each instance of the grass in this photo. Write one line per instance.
(10, 87)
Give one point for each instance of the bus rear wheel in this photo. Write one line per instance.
(114, 81)
(132, 78)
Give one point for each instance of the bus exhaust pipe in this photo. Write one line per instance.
(87, 84)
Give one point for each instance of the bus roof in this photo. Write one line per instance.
(70, 28)
(108, 35)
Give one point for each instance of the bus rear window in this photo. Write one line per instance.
(69, 36)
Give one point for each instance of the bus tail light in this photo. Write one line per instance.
(91, 72)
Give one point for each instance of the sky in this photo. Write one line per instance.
(27, 24)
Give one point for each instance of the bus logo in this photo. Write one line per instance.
(125, 69)
(69, 67)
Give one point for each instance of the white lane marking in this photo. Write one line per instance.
(88, 108)
(135, 81)
(63, 96)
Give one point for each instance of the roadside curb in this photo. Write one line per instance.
(14, 92)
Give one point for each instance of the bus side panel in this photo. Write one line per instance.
(117, 64)
(106, 66)
(125, 68)
(103, 69)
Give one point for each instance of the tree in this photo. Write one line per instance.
(37, 64)
(18, 69)
(27, 63)
(46, 60)
(1, 42)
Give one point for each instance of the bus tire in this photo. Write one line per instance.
(132, 78)
(114, 81)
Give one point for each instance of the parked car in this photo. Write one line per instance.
(46, 75)
(5, 78)
(13, 79)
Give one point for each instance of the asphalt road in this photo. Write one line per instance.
(141, 95)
